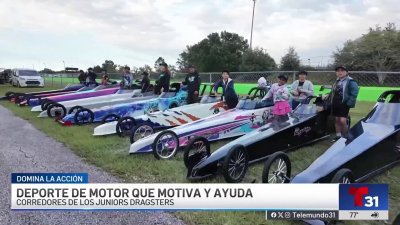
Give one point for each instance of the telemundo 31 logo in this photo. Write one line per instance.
(363, 197)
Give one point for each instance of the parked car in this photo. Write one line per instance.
(26, 78)
(4, 76)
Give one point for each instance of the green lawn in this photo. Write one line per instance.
(111, 154)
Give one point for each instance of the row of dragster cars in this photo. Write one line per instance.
(164, 124)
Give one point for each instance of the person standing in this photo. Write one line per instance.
(228, 90)
(301, 89)
(162, 84)
(91, 77)
(280, 95)
(82, 77)
(193, 82)
(127, 77)
(145, 83)
(344, 96)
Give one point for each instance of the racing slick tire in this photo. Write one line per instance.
(343, 176)
(235, 164)
(165, 145)
(196, 149)
(277, 169)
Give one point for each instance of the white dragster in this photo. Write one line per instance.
(250, 114)
(68, 107)
(146, 124)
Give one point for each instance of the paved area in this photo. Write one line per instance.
(23, 148)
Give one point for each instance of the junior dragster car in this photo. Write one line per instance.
(305, 125)
(371, 147)
(249, 114)
(122, 96)
(146, 124)
(174, 98)
(100, 90)
(18, 97)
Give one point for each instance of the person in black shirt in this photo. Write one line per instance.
(91, 77)
(145, 83)
(193, 82)
(82, 77)
(162, 84)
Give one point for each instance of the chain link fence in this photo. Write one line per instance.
(364, 78)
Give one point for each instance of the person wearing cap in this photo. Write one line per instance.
(228, 90)
(127, 78)
(192, 81)
(301, 89)
(162, 84)
(145, 83)
(91, 77)
(344, 95)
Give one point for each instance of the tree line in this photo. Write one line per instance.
(377, 50)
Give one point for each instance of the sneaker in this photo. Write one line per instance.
(335, 139)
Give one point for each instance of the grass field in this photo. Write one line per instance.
(111, 154)
(369, 94)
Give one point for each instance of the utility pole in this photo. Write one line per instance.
(252, 22)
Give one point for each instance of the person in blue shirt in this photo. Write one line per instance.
(228, 90)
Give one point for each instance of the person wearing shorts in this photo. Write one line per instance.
(344, 96)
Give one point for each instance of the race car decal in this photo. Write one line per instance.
(214, 132)
(182, 121)
(299, 132)
(171, 122)
(219, 105)
(244, 117)
(190, 116)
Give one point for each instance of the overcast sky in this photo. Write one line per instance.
(38, 33)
